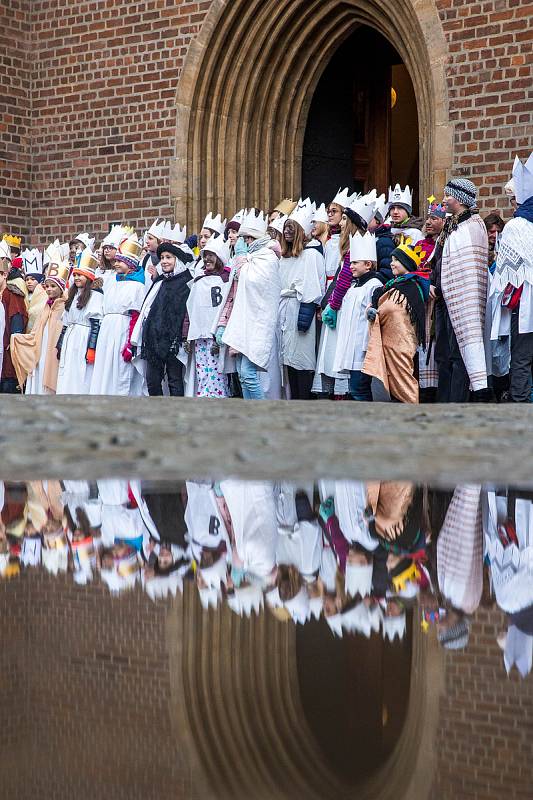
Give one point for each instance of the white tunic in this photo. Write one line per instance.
(353, 327)
(74, 376)
(302, 281)
(332, 255)
(251, 328)
(112, 375)
(208, 294)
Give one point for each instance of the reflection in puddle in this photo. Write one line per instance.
(336, 626)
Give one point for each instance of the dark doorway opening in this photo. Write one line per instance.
(362, 127)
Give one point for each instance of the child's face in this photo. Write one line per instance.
(165, 559)
(52, 290)
(121, 267)
(397, 268)
(334, 214)
(210, 261)
(151, 243)
(109, 252)
(232, 237)
(168, 261)
(80, 281)
(205, 235)
(31, 283)
(398, 214)
(358, 268)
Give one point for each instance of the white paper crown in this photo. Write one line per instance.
(118, 583)
(315, 607)
(157, 228)
(219, 247)
(303, 214)
(216, 224)
(57, 253)
(523, 179)
(343, 198)
(216, 574)
(248, 599)
(238, 217)
(363, 248)
(162, 586)
(278, 223)
(335, 624)
(55, 560)
(114, 237)
(176, 234)
(253, 224)
(32, 260)
(85, 239)
(209, 598)
(364, 206)
(298, 607)
(381, 207)
(394, 627)
(320, 214)
(399, 195)
(5, 250)
(358, 577)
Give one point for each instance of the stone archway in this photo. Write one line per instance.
(247, 83)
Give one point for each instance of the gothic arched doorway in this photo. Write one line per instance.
(247, 84)
(362, 126)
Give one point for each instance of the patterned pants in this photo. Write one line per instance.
(209, 381)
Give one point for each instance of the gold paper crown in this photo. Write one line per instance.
(58, 271)
(88, 261)
(12, 570)
(409, 575)
(285, 206)
(416, 253)
(13, 241)
(131, 248)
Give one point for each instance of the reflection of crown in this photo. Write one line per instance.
(416, 254)
(12, 240)
(409, 575)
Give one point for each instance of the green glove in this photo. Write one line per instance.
(327, 509)
(219, 334)
(329, 317)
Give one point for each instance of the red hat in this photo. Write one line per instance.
(17, 263)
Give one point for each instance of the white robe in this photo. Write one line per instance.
(302, 281)
(353, 327)
(252, 509)
(514, 264)
(332, 255)
(74, 376)
(204, 522)
(2, 328)
(112, 375)
(350, 506)
(251, 328)
(34, 381)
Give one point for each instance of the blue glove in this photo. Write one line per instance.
(241, 248)
(329, 317)
(371, 314)
(219, 334)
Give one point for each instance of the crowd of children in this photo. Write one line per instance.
(358, 300)
(361, 558)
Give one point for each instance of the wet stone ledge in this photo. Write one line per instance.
(158, 438)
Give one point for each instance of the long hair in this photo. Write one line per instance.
(289, 582)
(106, 264)
(321, 232)
(83, 299)
(294, 248)
(349, 229)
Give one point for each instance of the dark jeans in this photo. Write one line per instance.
(521, 360)
(155, 372)
(9, 386)
(300, 381)
(454, 383)
(360, 386)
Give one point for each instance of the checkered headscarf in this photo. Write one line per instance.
(463, 190)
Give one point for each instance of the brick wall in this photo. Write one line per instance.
(103, 81)
(484, 739)
(490, 89)
(15, 106)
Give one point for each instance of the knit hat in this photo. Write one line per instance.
(410, 257)
(463, 190)
(37, 276)
(181, 255)
(456, 637)
(17, 263)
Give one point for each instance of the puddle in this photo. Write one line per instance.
(200, 639)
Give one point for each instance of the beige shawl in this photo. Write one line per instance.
(26, 347)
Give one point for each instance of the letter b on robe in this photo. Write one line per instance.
(216, 296)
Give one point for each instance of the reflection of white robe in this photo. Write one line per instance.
(34, 381)
(74, 376)
(350, 506)
(112, 375)
(252, 325)
(204, 522)
(253, 514)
